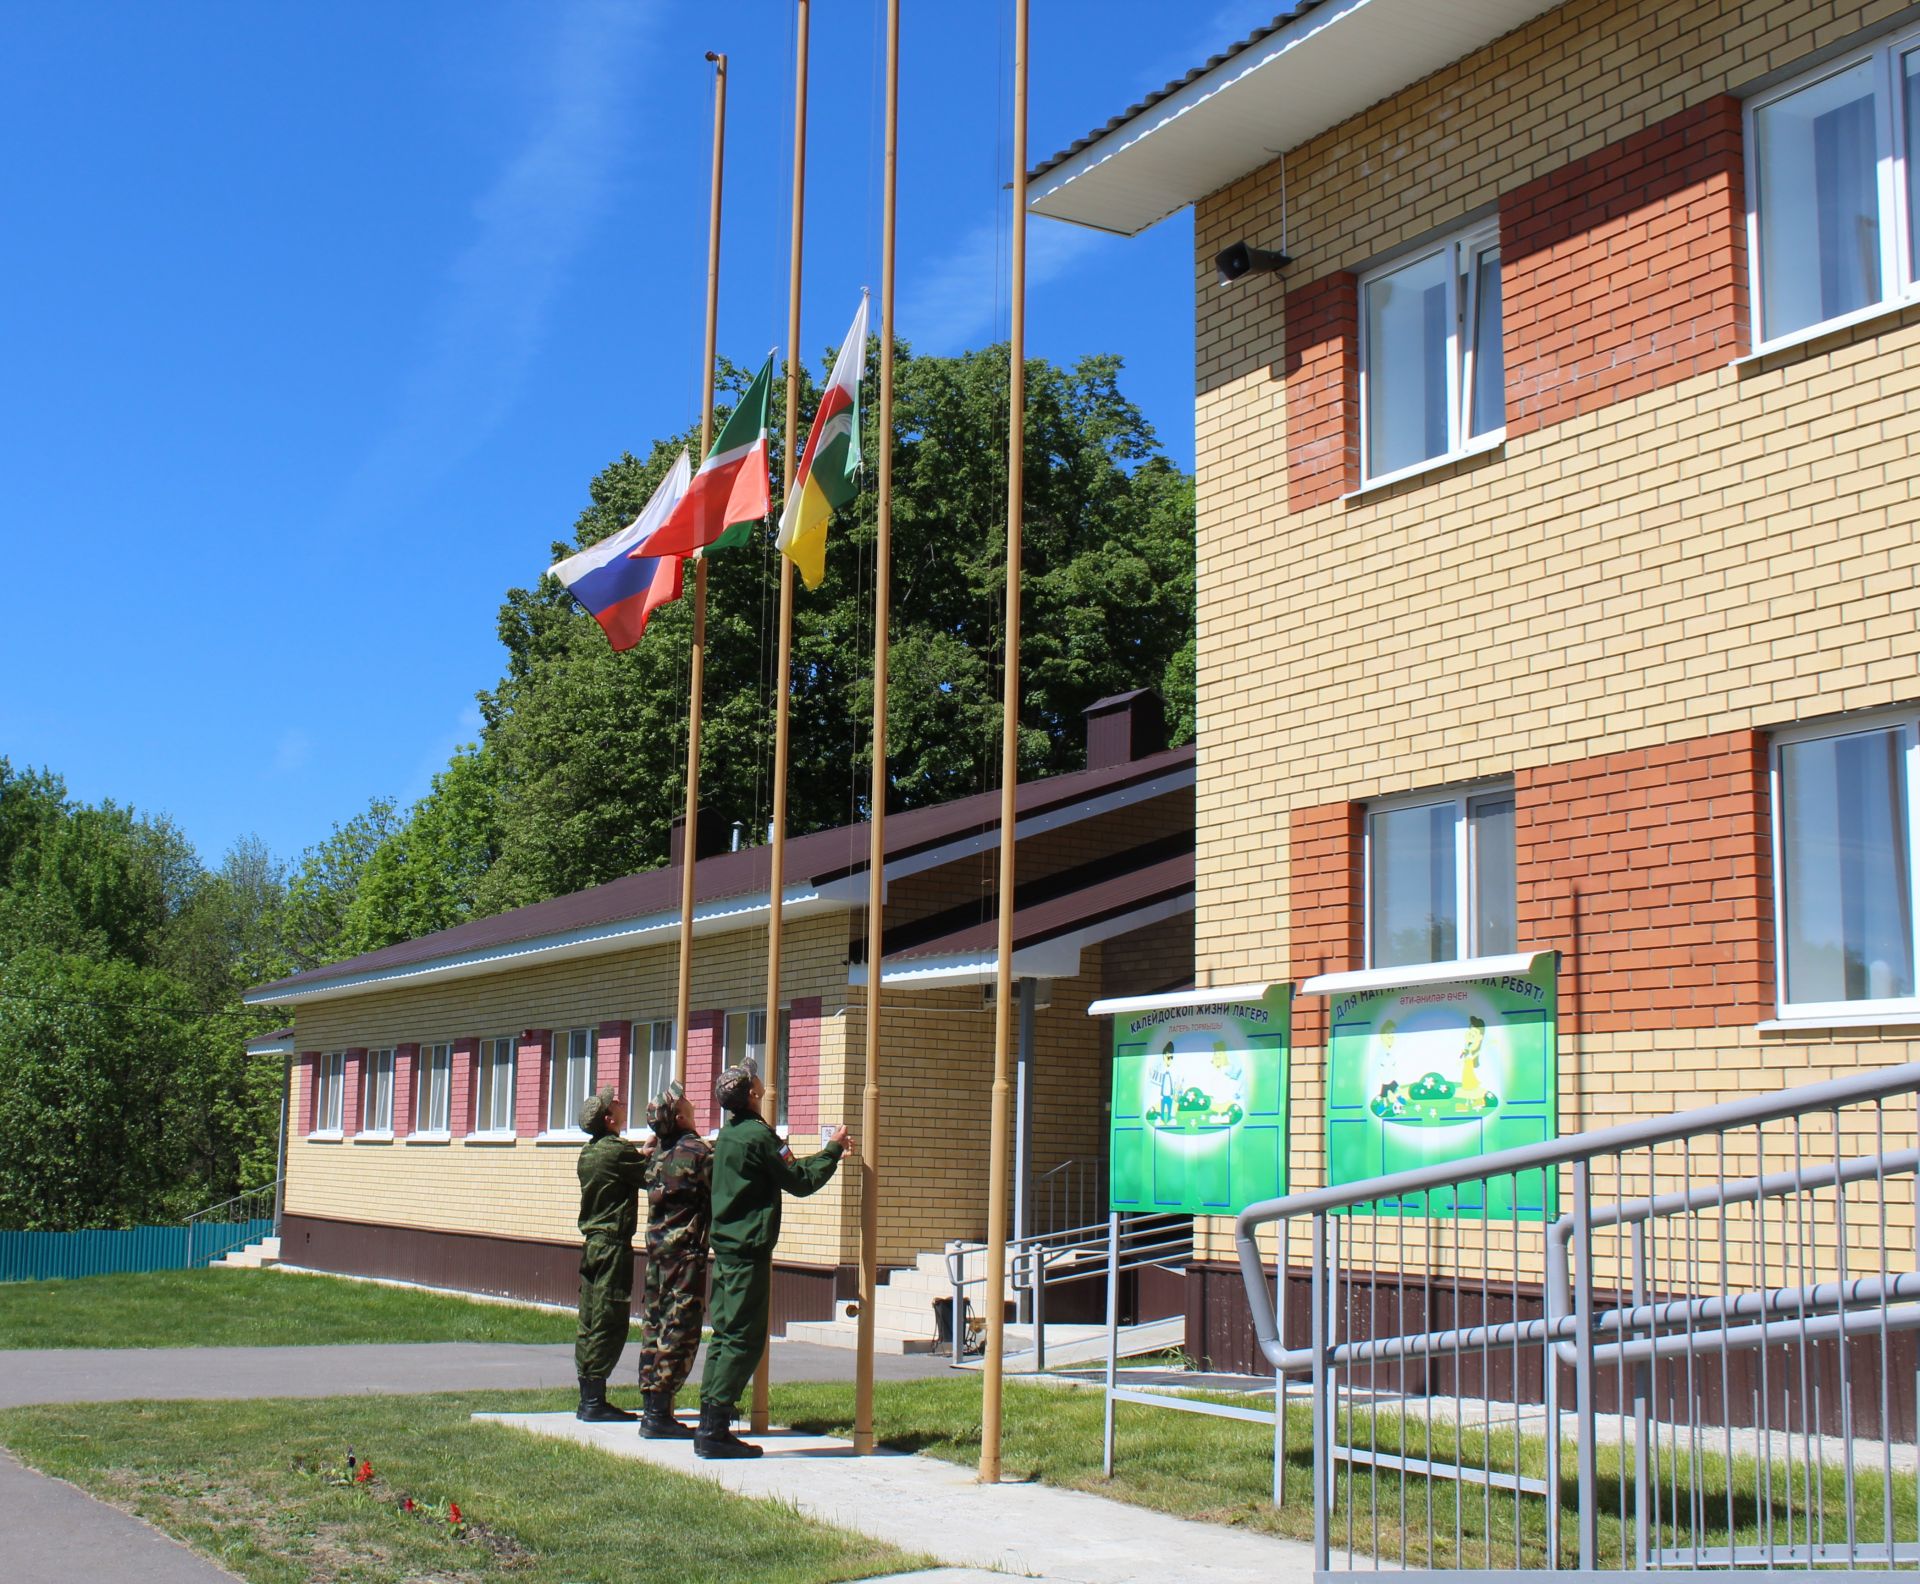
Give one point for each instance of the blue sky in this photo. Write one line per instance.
(316, 320)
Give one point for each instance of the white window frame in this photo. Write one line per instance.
(1902, 1008)
(432, 1097)
(640, 1085)
(1898, 267)
(558, 1068)
(758, 1051)
(329, 1096)
(1466, 867)
(376, 1095)
(1471, 242)
(489, 1063)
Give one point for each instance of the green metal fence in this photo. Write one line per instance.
(45, 1256)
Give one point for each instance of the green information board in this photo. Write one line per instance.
(1200, 1104)
(1422, 1074)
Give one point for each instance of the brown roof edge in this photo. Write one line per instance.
(817, 859)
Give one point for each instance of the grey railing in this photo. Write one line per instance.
(1072, 1194)
(218, 1230)
(1710, 1313)
(1057, 1259)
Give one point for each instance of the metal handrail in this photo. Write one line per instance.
(1144, 1240)
(220, 1214)
(1883, 1084)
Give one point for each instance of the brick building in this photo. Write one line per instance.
(434, 1083)
(1557, 507)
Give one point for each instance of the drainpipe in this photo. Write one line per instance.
(1023, 1128)
(280, 1150)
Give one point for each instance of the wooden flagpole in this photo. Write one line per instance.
(683, 999)
(777, 867)
(1009, 778)
(877, 822)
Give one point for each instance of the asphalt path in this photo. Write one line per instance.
(52, 1532)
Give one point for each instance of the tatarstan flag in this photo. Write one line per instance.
(828, 476)
(731, 492)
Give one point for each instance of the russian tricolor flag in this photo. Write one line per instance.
(620, 593)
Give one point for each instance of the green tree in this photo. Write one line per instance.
(427, 873)
(314, 919)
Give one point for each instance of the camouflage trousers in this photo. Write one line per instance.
(676, 1306)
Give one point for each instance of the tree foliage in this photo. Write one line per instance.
(579, 775)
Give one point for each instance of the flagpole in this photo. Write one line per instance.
(683, 998)
(777, 867)
(1009, 778)
(877, 821)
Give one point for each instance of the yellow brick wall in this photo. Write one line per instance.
(1737, 551)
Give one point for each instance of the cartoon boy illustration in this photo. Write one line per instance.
(1391, 1101)
(1164, 1081)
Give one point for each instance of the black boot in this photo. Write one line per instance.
(594, 1407)
(715, 1437)
(657, 1422)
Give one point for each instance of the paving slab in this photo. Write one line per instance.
(923, 1504)
(53, 1533)
(59, 1375)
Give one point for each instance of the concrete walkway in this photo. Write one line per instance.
(353, 1369)
(52, 1533)
(922, 1504)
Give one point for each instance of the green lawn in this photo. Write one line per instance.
(252, 1308)
(252, 1485)
(1221, 1471)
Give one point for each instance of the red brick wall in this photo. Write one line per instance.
(703, 1066)
(307, 1075)
(610, 1058)
(1323, 391)
(803, 1068)
(406, 1088)
(463, 1078)
(530, 1083)
(1650, 871)
(1625, 271)
(1324, 908)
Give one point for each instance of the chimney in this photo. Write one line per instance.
(1125, 727)
(711, 833)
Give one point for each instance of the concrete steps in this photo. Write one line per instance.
(255, 1256)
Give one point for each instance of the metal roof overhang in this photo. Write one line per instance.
(1271, 95)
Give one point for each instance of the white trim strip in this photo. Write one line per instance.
(1125, 1006)
(1461, 969)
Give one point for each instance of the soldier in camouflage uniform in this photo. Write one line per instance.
(612, 1172)
(679, 1214)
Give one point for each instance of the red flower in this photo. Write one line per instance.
(407, 1505)
(365, 1474)
(453, 1512)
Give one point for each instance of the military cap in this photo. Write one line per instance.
(594, 1109)
(662, 1109)
(734, 1088)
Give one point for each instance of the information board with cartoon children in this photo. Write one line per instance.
(1200, 1104)
(1420, 1074)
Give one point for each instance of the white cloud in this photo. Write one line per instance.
(536, 215)
(961, 300)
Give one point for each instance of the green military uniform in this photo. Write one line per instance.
(612, 1173)
(679, 1215)
(752, 1167)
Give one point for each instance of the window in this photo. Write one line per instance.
(434, 1085)
(1833, 174)
(376, 1111)
(746, 1036)
(1440, 879)
(1432, 375)
(493, 1101)
(571, 1079)
(1843, 834)
(649, 1064)
(330, 1082)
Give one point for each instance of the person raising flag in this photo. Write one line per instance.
(829, 473)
